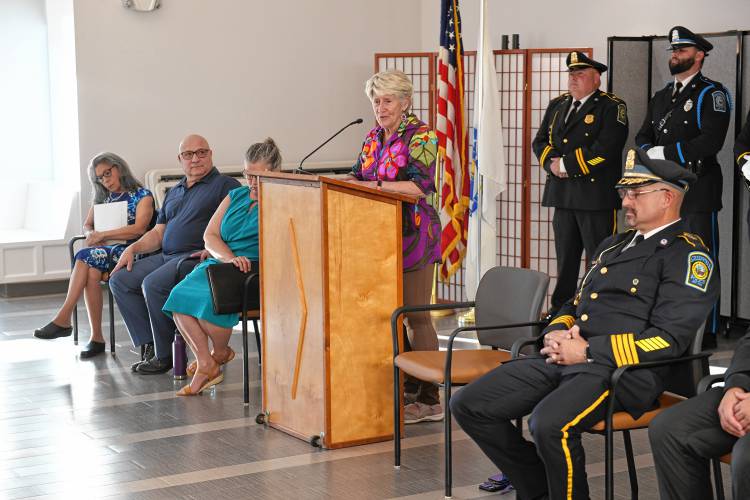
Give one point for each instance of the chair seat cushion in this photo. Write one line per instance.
(622, 421)
(466, 365)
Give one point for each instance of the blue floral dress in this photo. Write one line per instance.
(105, 257)
(239, 230)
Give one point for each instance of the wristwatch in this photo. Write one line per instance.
(589, 357)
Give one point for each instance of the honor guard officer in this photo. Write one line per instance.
(579, 145)
(643, 299)
(687, 123)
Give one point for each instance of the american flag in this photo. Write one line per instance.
(452, 140)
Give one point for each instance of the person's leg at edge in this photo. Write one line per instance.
(741, 468)
(568, 249)
(416, 291)
(486, 410)
(92, 295)
(219, 338)
(78, 280)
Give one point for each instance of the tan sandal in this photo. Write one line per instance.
(212, 379)
(193, 366)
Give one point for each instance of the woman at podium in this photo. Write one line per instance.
(399, 155)
(231, 236)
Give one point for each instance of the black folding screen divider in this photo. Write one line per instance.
(638, 67)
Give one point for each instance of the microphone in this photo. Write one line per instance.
(300, 170)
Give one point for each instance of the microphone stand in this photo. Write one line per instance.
(300, 170)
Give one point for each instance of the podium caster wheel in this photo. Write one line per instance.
(260, 418)
(315, 442)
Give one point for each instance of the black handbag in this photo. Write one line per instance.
(227, 285)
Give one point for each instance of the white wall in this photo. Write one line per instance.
(234, 71)
(579, 23)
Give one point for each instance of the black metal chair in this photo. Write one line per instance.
(507, 307)
(705, 384)
(105, 283)
(685, 373)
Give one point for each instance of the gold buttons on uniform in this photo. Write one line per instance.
(594, 296)
(584, 317)
(565, 141)
(633, 290)
(603, 270)
(635, 281)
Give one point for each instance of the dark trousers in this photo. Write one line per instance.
(706, 225)
(683, 440)
(575, 231)
(561, 408)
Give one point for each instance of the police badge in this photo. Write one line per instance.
(675, 35)
(688, 105)
(574, 58)
(630, 160)
(589, 119)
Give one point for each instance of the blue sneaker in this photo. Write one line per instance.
(499, 483)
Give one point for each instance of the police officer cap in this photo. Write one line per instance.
(679, 36)
(579, 60)
(641, 170)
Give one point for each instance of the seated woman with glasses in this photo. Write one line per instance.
(231, 236)
(111, 181)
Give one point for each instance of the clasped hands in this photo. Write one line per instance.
(554, 166)
(734, 412)
(565, 347)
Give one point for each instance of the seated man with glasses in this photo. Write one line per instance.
(643, 298)
(142, 287)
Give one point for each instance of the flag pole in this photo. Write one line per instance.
(436, 267)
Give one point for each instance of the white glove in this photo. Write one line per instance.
(656, 153)
(746, 168)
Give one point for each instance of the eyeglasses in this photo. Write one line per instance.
(105, 175)
(632, 194)
(200, 153)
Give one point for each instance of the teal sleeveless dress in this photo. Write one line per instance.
(239, 230)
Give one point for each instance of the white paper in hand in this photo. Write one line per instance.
(108, 216)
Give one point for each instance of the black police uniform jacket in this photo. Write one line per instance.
(644, 304)
(742, 147)
(590, 145)
(692, 131)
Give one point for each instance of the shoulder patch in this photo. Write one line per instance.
(720, 101)
(699, 270)
(622, 114)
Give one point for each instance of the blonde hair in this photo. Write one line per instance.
(389, 82)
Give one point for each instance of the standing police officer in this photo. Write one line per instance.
(579, 144)
(687, 123)
(643, 299)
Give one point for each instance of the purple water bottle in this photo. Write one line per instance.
(179, 357)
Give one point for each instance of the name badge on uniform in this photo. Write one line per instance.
(589, 119)
(688, 105)
(699, 270)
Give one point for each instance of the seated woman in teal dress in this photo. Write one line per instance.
(231, 236)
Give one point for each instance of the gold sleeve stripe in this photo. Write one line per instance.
(544, 154)
(616, 351)
(661, 342)
(567, 320)
(630, 340)
(652, 344)
(625, 352)
(595, 161)
(739, 157)
(581, 161)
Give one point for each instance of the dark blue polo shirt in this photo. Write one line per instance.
(186, 212)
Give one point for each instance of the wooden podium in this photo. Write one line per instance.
(331, 275)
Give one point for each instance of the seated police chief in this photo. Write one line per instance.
(111, 182)
(643, 298)
(399, 155)
(141, 288)
(686, 436)
(231, 236)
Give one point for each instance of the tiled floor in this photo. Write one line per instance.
(91, 429)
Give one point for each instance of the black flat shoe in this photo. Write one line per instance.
(52, 331)
(92, 349)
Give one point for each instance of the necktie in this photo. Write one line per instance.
(633, 243)
(676, 91)
(573, 110)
